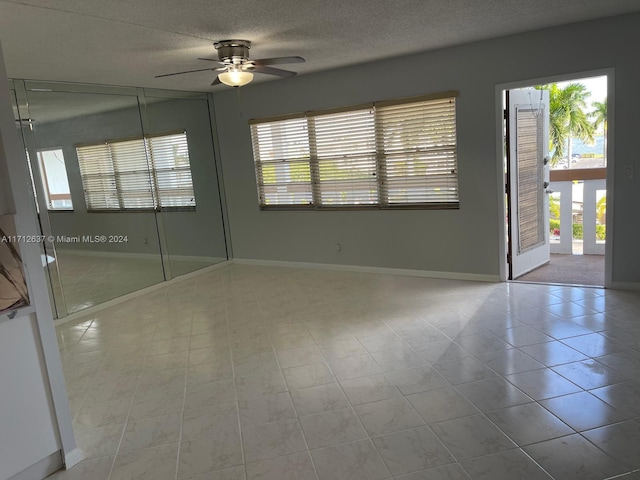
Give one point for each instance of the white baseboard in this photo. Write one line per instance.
(634, 286)
(41, 469)
(192, 258)
(137, 293)
(379, 270)
(102, 253)
(72, 458)
(140, 256)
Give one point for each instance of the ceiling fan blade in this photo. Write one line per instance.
(180, 73)
(272, 71)
(277, 60)
(216, 82)
(212, 60)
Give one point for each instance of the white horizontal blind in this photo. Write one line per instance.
(388, 155)
(98, 177)
(137, 174)
(283, 172)
(345, 151)
(170, 157)
(418, 144)
(133, 175)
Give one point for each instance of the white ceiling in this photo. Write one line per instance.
(128, 42)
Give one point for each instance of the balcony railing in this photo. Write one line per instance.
(579, 193)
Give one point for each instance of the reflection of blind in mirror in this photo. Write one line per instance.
(530, 174)
(170, 157)
(137, 174)
(98, 177)
(132, 174)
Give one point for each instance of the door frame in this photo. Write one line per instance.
(500, 144)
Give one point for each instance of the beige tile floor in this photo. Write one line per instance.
(248, 373)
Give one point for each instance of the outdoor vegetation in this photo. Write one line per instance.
(554, 219)
(571, 116)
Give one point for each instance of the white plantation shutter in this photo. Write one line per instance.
(137, 174)
(417, 142)
(386, 155)
(345, 152)
(283, 172)
(170, 157)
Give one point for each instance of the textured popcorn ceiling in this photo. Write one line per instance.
(127, 42)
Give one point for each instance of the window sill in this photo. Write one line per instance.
(294, 208)
(144, 210)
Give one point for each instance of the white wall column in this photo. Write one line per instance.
(36, 433)
(589, 243)
(566, 229)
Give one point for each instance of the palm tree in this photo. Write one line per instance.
(599, 116)
(567, 118)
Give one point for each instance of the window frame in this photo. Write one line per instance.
(152, 171)
(44, 177)
(381, 165)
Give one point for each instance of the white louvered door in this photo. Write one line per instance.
(528, 129)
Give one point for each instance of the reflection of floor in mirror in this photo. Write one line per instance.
(184, 266)
(267, 372)
(89, 280)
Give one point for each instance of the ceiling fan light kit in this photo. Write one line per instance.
(235, 67)
(235, 77)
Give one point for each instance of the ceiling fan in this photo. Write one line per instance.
(234, 67)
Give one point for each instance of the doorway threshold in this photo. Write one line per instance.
(583, 270)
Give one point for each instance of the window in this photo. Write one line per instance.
(137, 174)
(54, 179)
(398, 154)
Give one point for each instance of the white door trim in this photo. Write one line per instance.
(502, 211)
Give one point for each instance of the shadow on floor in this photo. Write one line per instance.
(569, 269)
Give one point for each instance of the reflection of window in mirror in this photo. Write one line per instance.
(137, 174)
(171, 170)
(54, 179)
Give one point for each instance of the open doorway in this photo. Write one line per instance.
(555, 164)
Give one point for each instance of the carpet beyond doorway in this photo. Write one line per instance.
(570, 269)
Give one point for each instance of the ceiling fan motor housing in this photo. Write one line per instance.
(233, 51)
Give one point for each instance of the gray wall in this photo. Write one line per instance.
(463, 241)
(192, 233)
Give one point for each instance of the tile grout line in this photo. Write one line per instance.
(126, 422)
(235, 390)
(295, 410)
(184, 391)
(482, 413)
